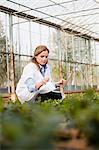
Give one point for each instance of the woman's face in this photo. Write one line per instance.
(42, 58)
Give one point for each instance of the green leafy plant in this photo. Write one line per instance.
(33, 127)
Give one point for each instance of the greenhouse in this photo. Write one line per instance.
(70, 30)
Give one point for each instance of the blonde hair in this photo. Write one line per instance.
(39, 49)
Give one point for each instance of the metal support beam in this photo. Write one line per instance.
(12, 69)
(42, 21)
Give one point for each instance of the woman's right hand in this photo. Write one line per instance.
(39, 84)
(45, 80)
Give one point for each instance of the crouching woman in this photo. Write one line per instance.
(36, 79)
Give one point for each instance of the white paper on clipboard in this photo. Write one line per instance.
(48, 87)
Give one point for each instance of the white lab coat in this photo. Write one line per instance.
(32, 71)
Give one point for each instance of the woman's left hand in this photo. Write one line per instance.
(61, 82)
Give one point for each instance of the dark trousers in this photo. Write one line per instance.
(50, 95)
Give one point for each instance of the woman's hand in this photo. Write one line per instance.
(45, 80)
(61, 82)
(39, 84)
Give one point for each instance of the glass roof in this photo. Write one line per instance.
(78, 15)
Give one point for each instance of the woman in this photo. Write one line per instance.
(36, 79)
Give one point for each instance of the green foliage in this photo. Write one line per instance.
(27, 127)
(81, 111)
(31, 127)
